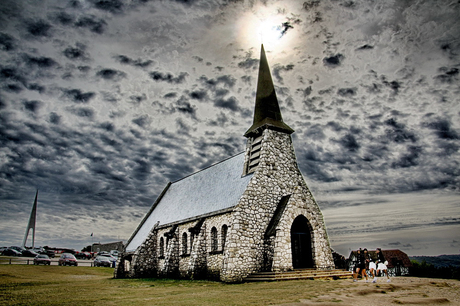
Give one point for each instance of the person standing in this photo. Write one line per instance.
(367, 260)
(366, 264)
(360, 265)
(381, 265)
(372, 268)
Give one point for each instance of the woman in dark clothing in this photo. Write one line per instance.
(381, 265)
(360, 266)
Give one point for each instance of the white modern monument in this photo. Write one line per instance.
(31, 224)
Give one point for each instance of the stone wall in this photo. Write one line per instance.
(144, 262)
(194, 259)
(299, 205)
(170, 266)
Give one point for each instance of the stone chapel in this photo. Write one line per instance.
(249, 213)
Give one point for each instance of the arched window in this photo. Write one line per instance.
(223, 235)
(184, 244)
(192, 237)
(162, 247)
(213, 239)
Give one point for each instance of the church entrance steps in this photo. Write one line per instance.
(298, 274)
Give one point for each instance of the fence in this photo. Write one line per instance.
(30, 261)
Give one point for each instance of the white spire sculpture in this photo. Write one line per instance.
(31, 225)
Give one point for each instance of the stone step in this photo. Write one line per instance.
(298, 274)
(300, 271)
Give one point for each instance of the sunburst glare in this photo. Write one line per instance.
(269, 32)
(263, 28)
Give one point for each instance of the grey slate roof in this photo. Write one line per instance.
(212, 189)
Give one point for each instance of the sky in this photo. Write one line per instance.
(103, 102)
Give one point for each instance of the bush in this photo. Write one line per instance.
(425, 269)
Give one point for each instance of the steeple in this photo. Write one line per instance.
(267, 112)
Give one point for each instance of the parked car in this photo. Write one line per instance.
(50, 253)
(106, 254)
(111, 258)
(67, 259)
(42, 259)
(18, 248)
(11, 252)
(102, 261)
(83, 255)
(29, 253)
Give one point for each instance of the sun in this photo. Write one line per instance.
(263, 27)
(270, 32)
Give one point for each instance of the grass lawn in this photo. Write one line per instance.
(55, 285)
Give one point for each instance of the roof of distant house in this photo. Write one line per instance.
(392, 256)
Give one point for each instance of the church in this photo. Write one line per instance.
(249, 213)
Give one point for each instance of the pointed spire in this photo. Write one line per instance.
(267, 111)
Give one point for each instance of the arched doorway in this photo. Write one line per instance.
(302, 256)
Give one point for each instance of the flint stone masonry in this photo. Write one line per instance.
(197, 262)
(277, 175)
(144, 261)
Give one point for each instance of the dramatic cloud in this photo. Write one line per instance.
(79, 97)
(442, 128)
(6, 42)
(230, 103)
(111, 74)
(128, 61)
(92, 23)
(334, 60)
(168, 77)
(112, 6)
(76, 53)
(38, 28)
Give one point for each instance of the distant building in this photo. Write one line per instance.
(252, 212)
(398, 261)
(107, 247)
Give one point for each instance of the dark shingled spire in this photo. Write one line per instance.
(267, 112)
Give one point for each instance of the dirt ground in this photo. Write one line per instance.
(400, 291)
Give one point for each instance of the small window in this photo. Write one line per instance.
(192, 237)
(224, 235)
(162, 247)
(184, 244)
(214, 239)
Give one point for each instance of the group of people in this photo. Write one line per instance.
(364, 261)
